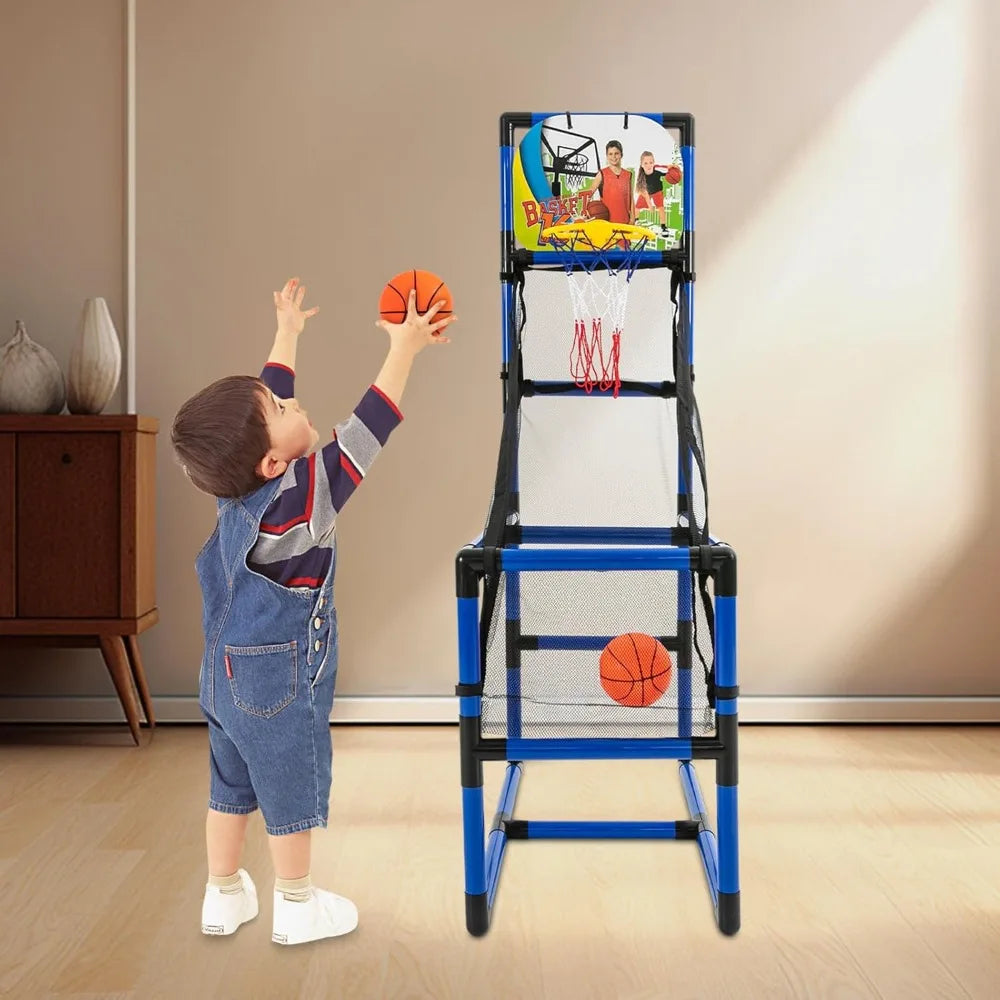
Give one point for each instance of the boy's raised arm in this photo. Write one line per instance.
(359, 439)
(291, 320)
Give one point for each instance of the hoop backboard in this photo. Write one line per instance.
(561, 164)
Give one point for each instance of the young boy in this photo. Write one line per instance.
(614, 184)
(266, 574)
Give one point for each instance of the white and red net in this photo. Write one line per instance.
(600, 259)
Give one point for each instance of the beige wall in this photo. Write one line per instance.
(62, 218)
(846, 223)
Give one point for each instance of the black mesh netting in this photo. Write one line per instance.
(560, 692)
(595, 461)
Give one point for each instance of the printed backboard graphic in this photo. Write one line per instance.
(574, 167)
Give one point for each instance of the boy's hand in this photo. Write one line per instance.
(288, 304)
(416, 331)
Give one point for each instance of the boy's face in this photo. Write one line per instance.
(291, 431)
(614, 156)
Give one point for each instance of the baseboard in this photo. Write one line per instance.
(392, 710)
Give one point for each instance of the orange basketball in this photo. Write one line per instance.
(635, 669)
(430, 289)
(598, 210)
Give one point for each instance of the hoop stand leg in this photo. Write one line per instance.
(469, 721)
(727, 766)
(477, 917)
(497, 845)
(720, 855)
(484, 858)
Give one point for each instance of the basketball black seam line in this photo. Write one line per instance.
(638, 661)
(624, 667)
(430, 298)
(402, 298)
(619, 680)
(402, 312)
(652, 660)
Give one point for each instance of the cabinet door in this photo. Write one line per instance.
(7, 572)
(68, 525)
(138, 498)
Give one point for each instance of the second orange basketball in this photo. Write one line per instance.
(635, 669)
(430, 289)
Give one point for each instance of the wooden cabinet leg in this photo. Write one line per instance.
(139, 676)
(113, 650)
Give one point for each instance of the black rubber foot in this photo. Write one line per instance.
(477, 914)
(729, 912)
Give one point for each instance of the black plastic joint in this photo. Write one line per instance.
(725, 570)
(684, 122)
(491, 561)
(729, 912)
(728, 692)
(682, 644)
(512, 635)
(727, 765)
(472, 766)
(477, 914)
(469, 690)
(510, 121)
(516, 829)
(703, 558)
(468, 570)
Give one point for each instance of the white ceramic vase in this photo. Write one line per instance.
(96, 362)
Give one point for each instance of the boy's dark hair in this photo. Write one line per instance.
(614, 144)
(220, 436)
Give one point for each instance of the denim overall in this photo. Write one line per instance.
(267, 678)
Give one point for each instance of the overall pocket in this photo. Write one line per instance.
(262, 678)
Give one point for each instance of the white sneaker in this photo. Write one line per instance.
(323, 915)
(223, 912)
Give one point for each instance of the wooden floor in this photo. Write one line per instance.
(870, 868)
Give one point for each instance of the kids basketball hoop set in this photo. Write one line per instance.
(596, 613)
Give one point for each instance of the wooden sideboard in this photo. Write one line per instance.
(78, 540)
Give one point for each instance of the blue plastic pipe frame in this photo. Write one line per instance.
(484, 849)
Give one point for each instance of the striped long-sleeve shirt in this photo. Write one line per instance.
(295, 544)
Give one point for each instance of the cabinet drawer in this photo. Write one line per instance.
(68, 527)
(8, 577)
